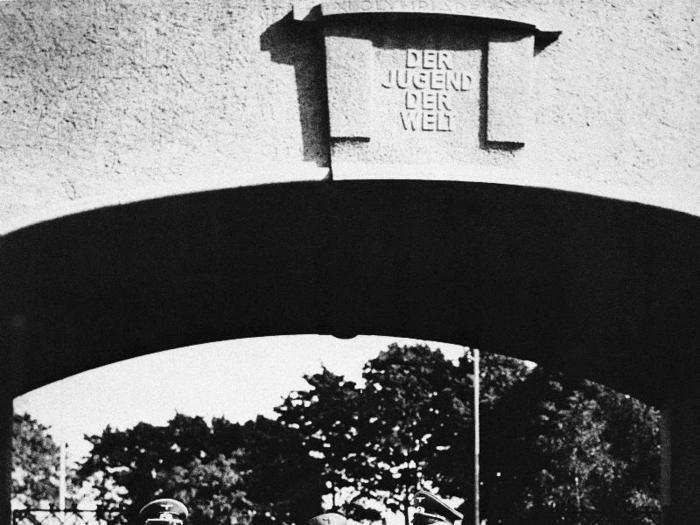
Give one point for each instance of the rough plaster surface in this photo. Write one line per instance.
(510, 62)
(350, 106)
(111, 101)
(102, 98)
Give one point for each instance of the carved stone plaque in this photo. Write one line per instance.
(410, 85)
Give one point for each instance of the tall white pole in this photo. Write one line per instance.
(477, 445)
(62, 479)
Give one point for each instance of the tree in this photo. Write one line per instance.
(35, 463)
(401, 431)
(257, 473)
(548, 456)
(281, 480)
(131, 467)
(554, 449)
(408, 398)
(632, 430)
(213, 490)
(575, 461)
(326, 418)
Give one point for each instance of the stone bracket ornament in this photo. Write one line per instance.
(427, 80)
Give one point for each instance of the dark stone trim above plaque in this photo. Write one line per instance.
(543, 27)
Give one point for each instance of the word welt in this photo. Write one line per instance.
(427, 79)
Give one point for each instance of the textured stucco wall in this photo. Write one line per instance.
(618, 106)
(106, 102)
(101, 99)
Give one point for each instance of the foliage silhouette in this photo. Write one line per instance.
(327, 418)
(35, 464)
(554, 450)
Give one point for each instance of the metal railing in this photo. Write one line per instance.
(63, 517)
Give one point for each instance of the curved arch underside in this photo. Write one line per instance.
(602, 288)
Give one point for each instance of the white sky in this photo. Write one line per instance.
(235, 379)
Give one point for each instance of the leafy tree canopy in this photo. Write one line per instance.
(554, 450)
(35, 463)
(225, 473)
(326, 417)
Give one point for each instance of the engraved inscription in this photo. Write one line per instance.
(428, 80)
(345, 6)
(378, 6)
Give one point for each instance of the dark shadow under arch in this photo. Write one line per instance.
(602, 288)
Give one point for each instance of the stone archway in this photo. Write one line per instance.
(602, 288)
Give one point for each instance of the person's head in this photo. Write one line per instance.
(329, 518)
(163, 512)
